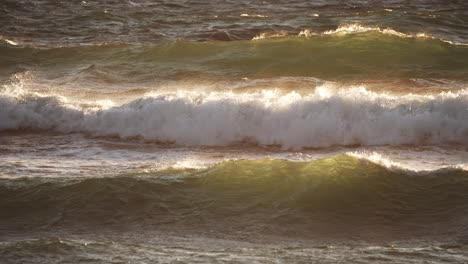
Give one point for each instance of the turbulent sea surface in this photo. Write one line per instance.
(233, 131)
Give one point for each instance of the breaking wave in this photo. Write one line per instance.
(325, 117)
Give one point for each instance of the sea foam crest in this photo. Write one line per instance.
(358, 28)
(398, 167)
(355, 28)
(8, 41)
(325, 117)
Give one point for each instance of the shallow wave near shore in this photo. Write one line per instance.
(325, 117)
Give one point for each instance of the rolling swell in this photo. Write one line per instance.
(365, 53)
(335, 194)
(323, 118)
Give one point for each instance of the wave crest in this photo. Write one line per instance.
(8, 41)
(323, 118)
(370, 56)
(341, 191)
(355, 28)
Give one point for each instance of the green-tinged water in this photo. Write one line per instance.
(304, 199)
(358, 56)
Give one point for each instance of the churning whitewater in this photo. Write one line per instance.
(325, 117)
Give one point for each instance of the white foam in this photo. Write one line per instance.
(253, 15)
(325, 117)
(270, 35)
(355, 28)
(400, 167)
(9, 41)
(358, 28)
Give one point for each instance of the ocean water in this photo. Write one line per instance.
(233, 131)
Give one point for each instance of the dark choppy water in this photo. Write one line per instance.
(59, 23)
(233, 132)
